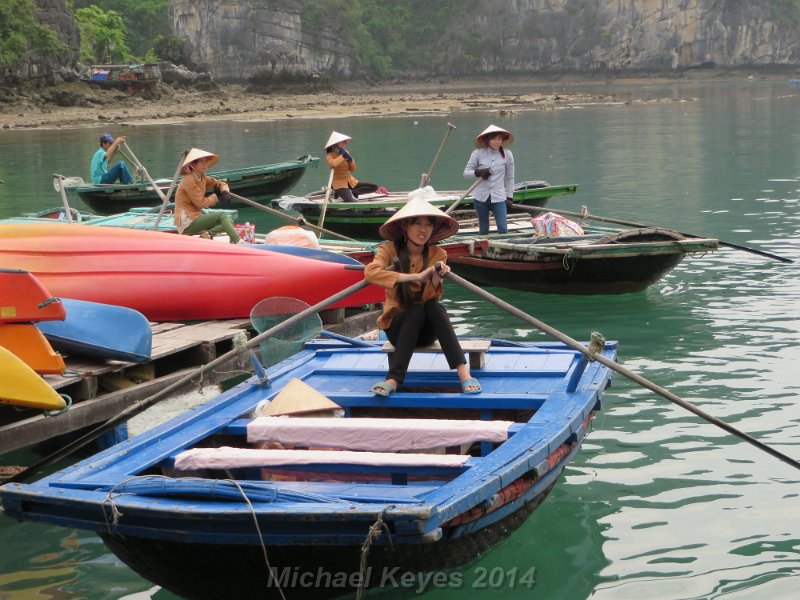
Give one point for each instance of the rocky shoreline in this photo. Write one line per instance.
(78, 104)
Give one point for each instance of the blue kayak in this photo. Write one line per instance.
(100, 331)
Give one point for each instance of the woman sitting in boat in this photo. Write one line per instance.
(494, 163)
(344, 185)
(193, 196)
(412, 314)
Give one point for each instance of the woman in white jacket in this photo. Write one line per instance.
(493, 162)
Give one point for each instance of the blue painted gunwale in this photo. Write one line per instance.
(336, 513)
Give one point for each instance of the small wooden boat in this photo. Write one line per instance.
(601, 262)
(100, 331)
(28, 344)
(419, 482)
(25, 299)
(362, 219)
(262, 182)
(126, 77)
(22, 386)
(170, 277)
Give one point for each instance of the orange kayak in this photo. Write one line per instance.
(28, 343)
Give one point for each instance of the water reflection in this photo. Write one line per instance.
(659, 504)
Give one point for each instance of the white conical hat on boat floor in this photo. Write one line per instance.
(335, 138)
(298, 397)
(195, 154)
(508, 137)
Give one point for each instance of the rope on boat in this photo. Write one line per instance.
(271, 573)
(50, 300)
(597, 343)
(116, 514)
(374, 531)
(55, 413)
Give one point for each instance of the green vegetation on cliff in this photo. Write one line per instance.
(21, 33)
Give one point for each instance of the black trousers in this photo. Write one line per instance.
(351, 194)
(421, 325)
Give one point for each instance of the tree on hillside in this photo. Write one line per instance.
(145, 20)
(21, 32)
(102, 36)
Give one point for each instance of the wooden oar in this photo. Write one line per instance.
(299, 221)
(464, 195)
(141, 405)
(426, 177)
(586, 215)
(614, 366)
(143, 169)
(321, 221)
(63, 196)
(172, 186)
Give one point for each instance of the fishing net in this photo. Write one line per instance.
(272, 312)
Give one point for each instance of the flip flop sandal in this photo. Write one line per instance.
(471, 382)
(383, 388)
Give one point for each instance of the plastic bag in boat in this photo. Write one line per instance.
(553, 225)
(247, 232)
(292, 235)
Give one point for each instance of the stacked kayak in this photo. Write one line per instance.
(171, 277)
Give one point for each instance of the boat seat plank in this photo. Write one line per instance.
(239, 427)
(375, 434)
(476, 350)
(237, 458)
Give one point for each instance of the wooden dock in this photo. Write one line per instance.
(102, 389)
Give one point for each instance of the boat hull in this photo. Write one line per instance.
(170, 277)
(25, 299)
(21, 386)
(625, 262)
(260, 183)
(30, 346)
(297, 569)
(100, 331)
(362, 220)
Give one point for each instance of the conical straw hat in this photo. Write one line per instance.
(195, 154)
(508, 137)
(395, 227)
(298, 397)
(335, 138)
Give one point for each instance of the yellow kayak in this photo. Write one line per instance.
(21, 386)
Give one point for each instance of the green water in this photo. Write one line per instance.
(658, 504)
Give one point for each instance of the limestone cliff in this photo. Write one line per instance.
(238, 37)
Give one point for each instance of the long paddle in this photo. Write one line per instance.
(172, 186)
(147, 402)
(586, 215)
(300, 221)
(464, 195)
(63, 196)
(614, 366)
(321, 221)
(132, 157)
(426, 177)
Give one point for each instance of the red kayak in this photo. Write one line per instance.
(170, 277)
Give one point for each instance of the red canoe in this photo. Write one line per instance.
(169, 277)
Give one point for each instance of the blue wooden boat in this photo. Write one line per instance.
(100, 331)
(217, 503)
